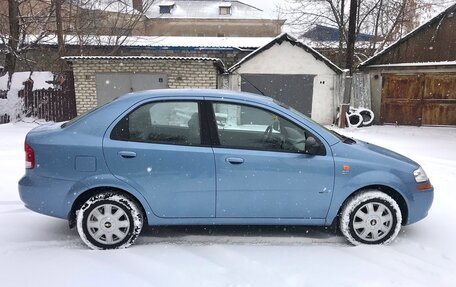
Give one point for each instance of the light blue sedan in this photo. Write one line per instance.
(199, 157)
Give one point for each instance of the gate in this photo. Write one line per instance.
(420, 99)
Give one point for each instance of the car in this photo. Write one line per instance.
(213, 157)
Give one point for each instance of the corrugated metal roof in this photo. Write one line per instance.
(217, 62)
(77, 58)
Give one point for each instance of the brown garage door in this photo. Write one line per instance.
(423, 99)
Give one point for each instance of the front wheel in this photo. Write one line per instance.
(109, 221)
(371, 217)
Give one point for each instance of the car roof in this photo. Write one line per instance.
(212, 93)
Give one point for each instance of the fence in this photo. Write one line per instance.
(58, 104)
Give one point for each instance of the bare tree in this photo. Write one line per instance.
(384, 20)
(19, 20)
(108, 22)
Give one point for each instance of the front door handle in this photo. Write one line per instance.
(127, 154)
(235, 160)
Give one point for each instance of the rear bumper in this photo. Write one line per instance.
(419, 205)
(45, 195)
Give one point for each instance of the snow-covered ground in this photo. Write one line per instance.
(36, 250)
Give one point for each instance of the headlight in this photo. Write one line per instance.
(420, 175)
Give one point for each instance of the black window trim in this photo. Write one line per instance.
(205, 136)
(215, 137)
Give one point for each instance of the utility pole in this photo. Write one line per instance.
(351, 34)
(351, 37)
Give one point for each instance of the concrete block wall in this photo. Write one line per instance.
(183, 73)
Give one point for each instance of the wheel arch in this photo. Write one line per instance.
(84, 196)
(397, 196)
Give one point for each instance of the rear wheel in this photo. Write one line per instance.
(371, 217)
(109, 221)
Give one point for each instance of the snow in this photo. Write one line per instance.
(12, 102)
(206, 10)
(161, 41)
(36, 250)
(419, 64)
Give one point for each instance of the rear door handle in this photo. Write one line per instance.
(235, 160)
(127, 154)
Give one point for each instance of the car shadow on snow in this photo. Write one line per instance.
(239, 235)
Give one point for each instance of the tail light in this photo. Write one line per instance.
(29, 157)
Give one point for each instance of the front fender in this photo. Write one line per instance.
(345, 186)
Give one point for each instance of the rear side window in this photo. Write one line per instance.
(161, 122)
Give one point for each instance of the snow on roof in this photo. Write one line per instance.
(166, 3)
(123, 6)
(316, 44)
(225, 5)
(423, 64)
(165, 41)
(200, 9)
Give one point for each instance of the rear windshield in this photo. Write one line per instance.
(83, 115)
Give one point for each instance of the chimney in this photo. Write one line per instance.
(138, 5)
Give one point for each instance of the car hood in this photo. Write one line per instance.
(385, 152)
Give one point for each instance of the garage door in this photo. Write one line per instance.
(423, 99)
(113, 85)
(293, 90)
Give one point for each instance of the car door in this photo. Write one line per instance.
(262, 168)
(160, 149)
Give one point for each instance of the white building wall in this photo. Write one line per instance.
(288, 59)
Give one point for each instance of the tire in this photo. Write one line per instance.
(354, 120)
(109, 221)
(367, 115)
(371, 217)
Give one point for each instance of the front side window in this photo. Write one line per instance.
(161, 122)
(247, 127)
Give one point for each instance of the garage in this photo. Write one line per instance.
(413, 81)
(99, 79)
(419, 99)
(294, 90)
(304, 80)
(113, 85)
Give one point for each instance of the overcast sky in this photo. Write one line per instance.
(265, 5)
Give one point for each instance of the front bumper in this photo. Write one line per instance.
(419, 205)
(45, 195)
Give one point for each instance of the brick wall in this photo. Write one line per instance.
(184, 73)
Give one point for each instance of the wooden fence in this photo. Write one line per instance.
(58, 104)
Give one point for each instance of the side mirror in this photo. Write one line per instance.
(312, 146)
